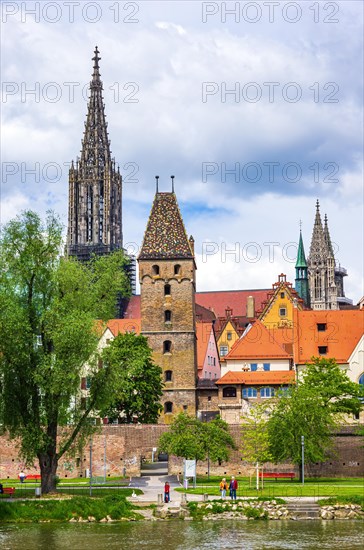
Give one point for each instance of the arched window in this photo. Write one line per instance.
(155, 269)
(168, 407)
(167, 346)
(167, 316)
(361, 380)
(168, 376)
(229, 391)
(177, 269)
(167, 290)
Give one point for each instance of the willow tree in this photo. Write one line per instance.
(47, 332)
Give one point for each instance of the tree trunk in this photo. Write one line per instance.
(48, 468)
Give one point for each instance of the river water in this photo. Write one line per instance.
(183, 535)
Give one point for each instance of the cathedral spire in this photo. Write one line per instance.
(95, 184)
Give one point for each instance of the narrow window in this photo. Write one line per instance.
(168, 407)
(167, 290)
(177, 269)
(168, 376)
(321, 327)
(282, 312)
(282, 294)
(167, 346)
(167, 316)
(322, 350)
(253, 366)
(155, 269)
(229, 336)
(223, 350)
(266, 366)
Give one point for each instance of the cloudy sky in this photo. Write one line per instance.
(255, 107)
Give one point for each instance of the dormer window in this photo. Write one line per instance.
(155, 269)
(177, 269)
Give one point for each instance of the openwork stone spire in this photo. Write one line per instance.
(95, 184)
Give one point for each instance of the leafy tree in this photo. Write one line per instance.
(312, 409)
(255, 437)
(335, 388)
(300, 413)
(192, 439)
(47, 333)
(136, 380)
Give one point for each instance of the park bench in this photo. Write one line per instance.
(277, 475)
(8, 491)
(33, 477)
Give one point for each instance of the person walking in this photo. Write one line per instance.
(223, 487)
(233, 487)
(166, 492)
(22, 476)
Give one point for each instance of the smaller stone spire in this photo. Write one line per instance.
(96, 77)
(327, 237)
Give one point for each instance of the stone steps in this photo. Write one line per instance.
(303, 510)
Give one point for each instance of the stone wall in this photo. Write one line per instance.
(126, 444)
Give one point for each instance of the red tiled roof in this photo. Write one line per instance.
(124, 325)
(257, 343)
(257, 378)
(203, 332)
(133, 310)
(344, 328)
(220, 300)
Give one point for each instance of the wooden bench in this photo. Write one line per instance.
(8, 491)
(277, 475)
(35, 477)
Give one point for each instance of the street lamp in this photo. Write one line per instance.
(303, 457)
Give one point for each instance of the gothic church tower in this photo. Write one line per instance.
(321, 267)
(167, 287)
(95, 185)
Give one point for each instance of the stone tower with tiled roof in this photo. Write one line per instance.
(167, 287)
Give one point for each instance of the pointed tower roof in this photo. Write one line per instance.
(301, 258)
(165, 236)
(327, 237)
(95, 143)
(318, 247)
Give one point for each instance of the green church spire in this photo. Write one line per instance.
(301, 281)
(301, 258)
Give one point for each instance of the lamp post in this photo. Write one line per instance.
(303, 457)
(90, 466)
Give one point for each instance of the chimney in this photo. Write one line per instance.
(250, 307)
(228, 312)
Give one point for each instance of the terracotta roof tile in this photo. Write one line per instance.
(124, 325)
(344, 328)
(257, 343)
(220, 300)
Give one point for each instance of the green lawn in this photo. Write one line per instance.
(312, 487)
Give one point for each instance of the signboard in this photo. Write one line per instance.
(190, 468)
(154, 449)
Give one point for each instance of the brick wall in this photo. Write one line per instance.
(126, 444)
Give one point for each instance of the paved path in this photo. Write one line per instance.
(154, 485)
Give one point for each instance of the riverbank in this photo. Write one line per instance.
(117, 508)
